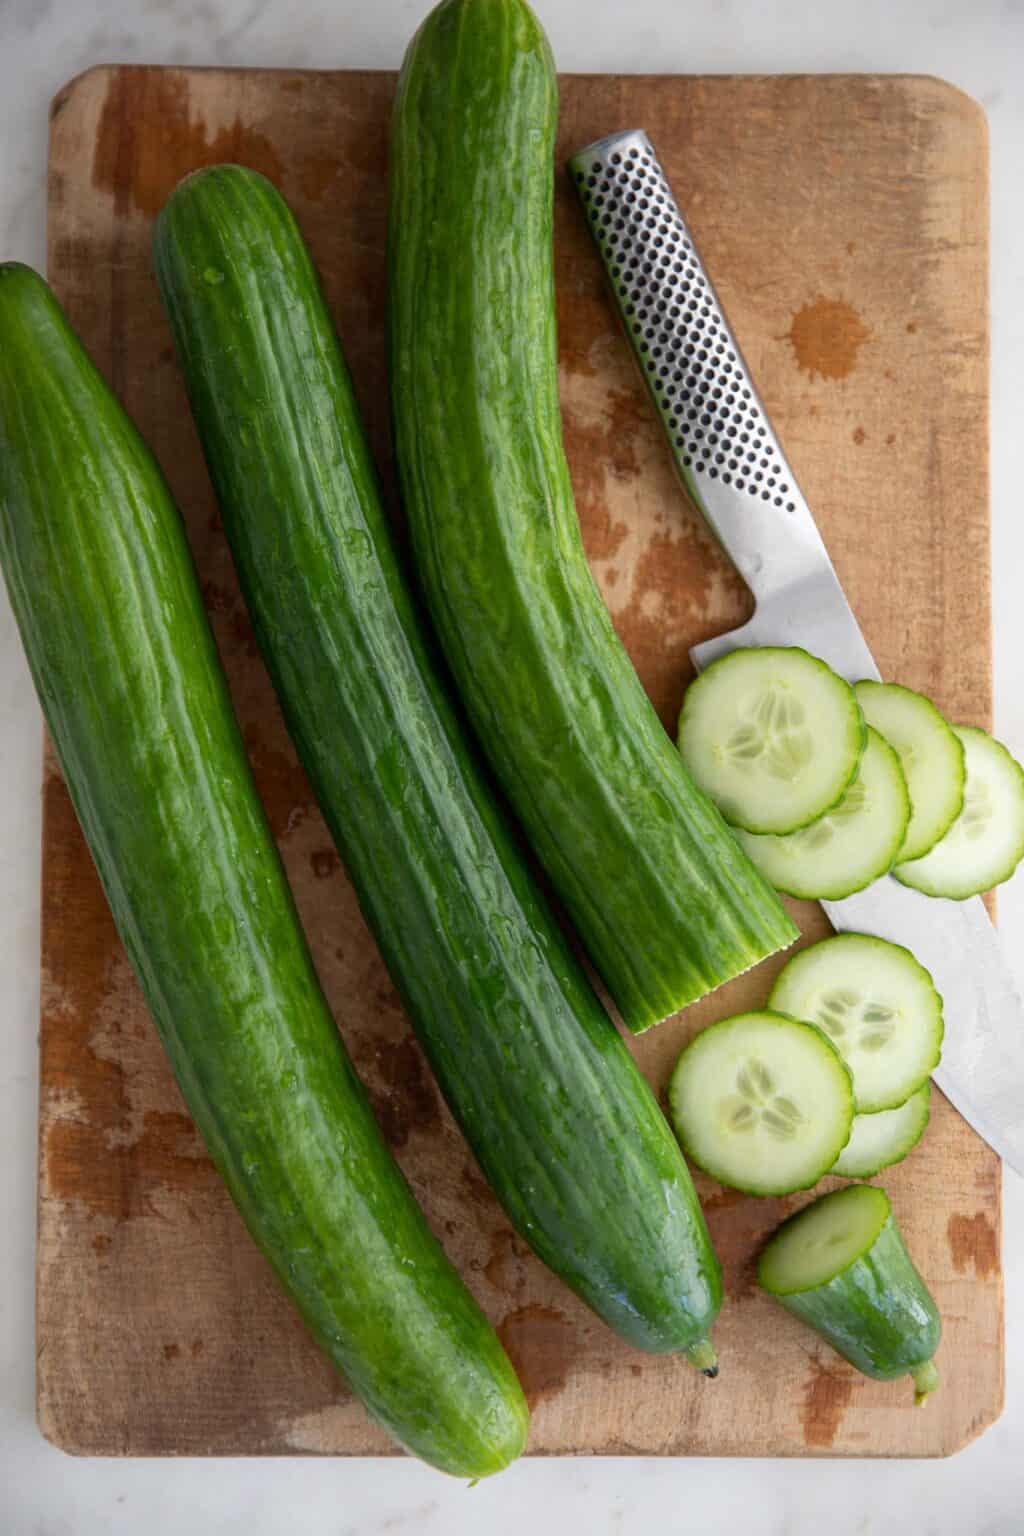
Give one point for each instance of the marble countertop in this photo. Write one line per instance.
(977, 44)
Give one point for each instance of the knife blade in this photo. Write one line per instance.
(735, 471)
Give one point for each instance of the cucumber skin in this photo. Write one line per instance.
(878, 1314)
(102, 585)
(564, 1125)
(667, 904)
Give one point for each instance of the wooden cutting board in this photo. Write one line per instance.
(845, 222)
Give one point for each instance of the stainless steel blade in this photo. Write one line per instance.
(735, 471)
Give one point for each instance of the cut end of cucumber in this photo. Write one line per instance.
(703, 1356)
(762, 1103)
(823, 1240)
(773, 736)
(926, 1379)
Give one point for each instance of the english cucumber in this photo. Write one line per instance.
(840, 1265)
(665, 901)
(104, 592)
(563, 1124)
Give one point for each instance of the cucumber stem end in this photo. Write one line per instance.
(926, 1378)
(702, 1355)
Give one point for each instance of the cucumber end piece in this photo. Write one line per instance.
(926, 1379)
(703, 1356)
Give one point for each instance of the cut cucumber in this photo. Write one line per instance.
(931, 755)
(852, 844)
(773, 736)
(878, 1141)
(878, 1006)
(986, 841)
(841, 1267)
(762, 1102)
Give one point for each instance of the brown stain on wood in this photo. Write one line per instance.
(167, 1156)
(541, 1343)
(826, 1397)
(826, 337)
(324, 862)
(171, 1351)
(142, 169)
(407, 1100)
(282, 785)
(974, 1244)
(507, 1264)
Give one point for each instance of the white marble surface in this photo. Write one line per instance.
(977, 44)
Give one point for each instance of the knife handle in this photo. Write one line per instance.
(725, 450)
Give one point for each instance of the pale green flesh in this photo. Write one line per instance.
(762, 1103)
(931, 756)
(824, 1240)
(986, 841)
(878, 1141)
(852, 844)
(878, 1006)
(773, 736)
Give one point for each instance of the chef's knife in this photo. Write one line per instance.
(734, 469)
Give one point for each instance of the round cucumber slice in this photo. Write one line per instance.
(822, 1240)
(878, 1141)
(840, 1265)
(852, 844)
(931, 755)
(762, 1102)
(773, 736)
(986, 841)
(878, 1006)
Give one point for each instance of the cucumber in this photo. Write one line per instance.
(104, 592)
(762, 1102)
(879, 1141)
(986, 841)
(878, 1006)
(852, 844)
(840, 1265)
(666, 903)
(563, 1124)
(931, 755)
(773, 735)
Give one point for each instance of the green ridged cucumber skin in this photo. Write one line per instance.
(561, 1121)
(103, 588)
(878, 1313)
(667, 904)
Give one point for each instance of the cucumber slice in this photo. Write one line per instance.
(840, 1265)
(931, 755)
(986, 841)
(762, 1102)
(878, 1141)
(878, 1006)
(773, 736)
(852, 844)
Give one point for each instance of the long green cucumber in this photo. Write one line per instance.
(666, 902)
(104, 592)
(867, 1300)
(562, 1122)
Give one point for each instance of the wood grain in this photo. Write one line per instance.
(845, 222)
